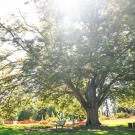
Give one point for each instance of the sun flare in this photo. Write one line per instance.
(67, 7)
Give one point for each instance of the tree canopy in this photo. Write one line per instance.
(89, 58)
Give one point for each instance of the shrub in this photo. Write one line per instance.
(24, 115)
(121, 115)
(40, 127)
(104, 118)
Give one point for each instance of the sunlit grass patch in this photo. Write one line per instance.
(118, 122)
(101, 132)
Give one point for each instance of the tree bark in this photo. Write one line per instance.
(92, 117)
(89, 104)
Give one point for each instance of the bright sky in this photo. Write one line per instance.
(8, 7)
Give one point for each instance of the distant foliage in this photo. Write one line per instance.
(121, 115)
(24, 115)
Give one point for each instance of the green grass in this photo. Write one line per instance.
(17, 132)
(118, 122)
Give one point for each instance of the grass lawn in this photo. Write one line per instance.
(118, 122)
(17, 132)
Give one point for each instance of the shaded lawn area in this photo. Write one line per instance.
(10, 131)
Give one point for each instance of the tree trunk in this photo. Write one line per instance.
(92, 117)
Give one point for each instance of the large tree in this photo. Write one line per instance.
(88, 58)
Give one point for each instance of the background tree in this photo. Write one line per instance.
(126, 99)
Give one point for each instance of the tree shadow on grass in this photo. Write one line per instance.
(66, 131)
(83, 131)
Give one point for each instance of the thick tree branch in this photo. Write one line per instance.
(76, 93)
(105, 93)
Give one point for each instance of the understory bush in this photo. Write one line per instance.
(121, 115)
(105, 118)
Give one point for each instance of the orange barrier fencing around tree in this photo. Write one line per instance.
(42, 122)
(8, 121)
